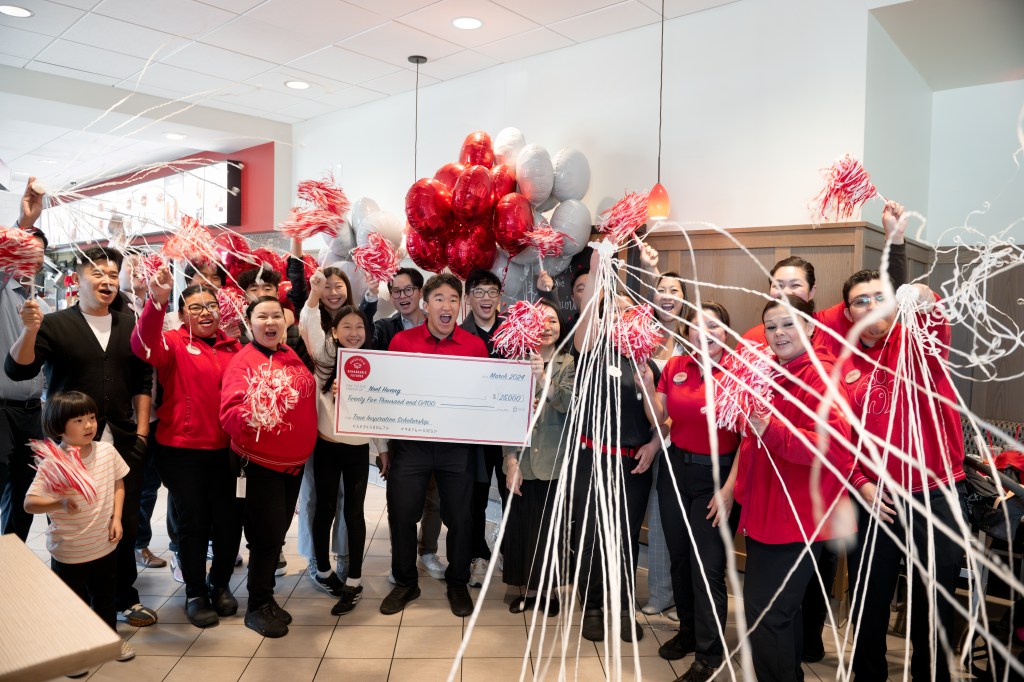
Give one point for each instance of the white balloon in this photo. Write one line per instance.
(547, 204)
(388, 224)
(507, 144)
(555, 265)
(534, 173)
(356, 277)
(572, 174)
(527, 256)
(362, 207)
(341, 246)
(572, 218)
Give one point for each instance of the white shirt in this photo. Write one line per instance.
(100, 327)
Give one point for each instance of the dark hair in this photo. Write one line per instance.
(563, 325)
(672, 275)
(329, 371)
(412, 273)
(62, 408)
(795, 302)
(191, 270)
(711, 306)
(97, 254)
(261, 299)
(192, 291)
(133, 251)
(249, 277)
(797, 262)
(440, 280)
(576, 275)
(40, 235)
(326, 316)
(479, 276)
(856, 278)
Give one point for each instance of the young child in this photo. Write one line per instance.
(82, 536)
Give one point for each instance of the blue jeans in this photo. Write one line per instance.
(659, 564)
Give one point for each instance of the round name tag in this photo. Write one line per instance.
(192, 349)
(852, 376)
(679, 378)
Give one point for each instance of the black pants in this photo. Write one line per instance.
(332, 463)
(133, 451)
(18, 424)
(815, 604)
(453, 467)
(203, 484)
(172, 523)
(270, 499)
(874, 595)
(94, 582)
(777, 642)
(635, 490)
(493, 458)
(695, 608)
(532, 520)
(150, 489)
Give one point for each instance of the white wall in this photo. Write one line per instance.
(897, 130)
(759, 95)
(975, 134)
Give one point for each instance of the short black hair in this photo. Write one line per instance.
(439, 280)
(712, 306)
(192, 291)
(672, 275)
(62, 408)
(795, 302)
(478, 276)
(97, 254)
(412, 273)
(192, 270)
(262, 299)
(856, 278)
(248, 277)
(40, 235)
(797, 262)
(576, 275)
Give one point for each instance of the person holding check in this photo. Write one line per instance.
(413, 462)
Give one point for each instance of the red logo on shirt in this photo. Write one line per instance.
(357, 368)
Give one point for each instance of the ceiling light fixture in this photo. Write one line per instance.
(297, 85)
(416, 59)
(658, 203)
(467, 23)
(175, 136)
(15, 11)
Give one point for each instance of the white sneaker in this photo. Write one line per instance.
(282, 565)
(127, 651)
(175, 565)
(477, 572)
(433, 565)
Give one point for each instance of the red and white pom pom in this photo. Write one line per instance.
(548, 241)
(325, 195)
(623, 219)
(148, 265)
(303, 223)
(20, 252)
(377, 259)
(637, 333)
(271, 394)
(192, 242)
(520, 333)
(847, 186)
(232, 303)
(745, 386)
(62, 472)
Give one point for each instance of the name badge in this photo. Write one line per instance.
(852, 376)
(679, 378)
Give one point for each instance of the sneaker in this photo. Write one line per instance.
(477, 572)
(263, 621)
(223, 602)
(176, 568)
(280, 613)
(460, 601)
(398, 598)
(282, 565)
(349, 598)
(433, 565)
(127, 651)
(138, 616)
(678, 647)
(332, 585)
(146, 559)
(698, 672)
(672, 615)
(593, 625)
(200, 613)
(653, 608)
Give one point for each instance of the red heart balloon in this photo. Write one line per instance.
(309, 266)
(270, 259)
(233, 253)
(471, 248)
(429, 254)
(513, 222)
(428, 206)
(448, 174)
(474, 193)
(504, 178)
(477, 150)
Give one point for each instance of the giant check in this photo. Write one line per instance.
(433, 397)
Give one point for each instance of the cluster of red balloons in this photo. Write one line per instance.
(460, 217)
(236, 256)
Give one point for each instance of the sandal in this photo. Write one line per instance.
(523, 604)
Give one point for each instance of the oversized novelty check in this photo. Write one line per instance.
(433, 397)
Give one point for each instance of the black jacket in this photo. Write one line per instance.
(385, 330)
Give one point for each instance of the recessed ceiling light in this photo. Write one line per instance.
(15, 11)
(175, 136)
(467, 23)
(297, 85)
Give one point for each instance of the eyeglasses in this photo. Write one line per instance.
(481, 293)
(865, 301)
(198, 308)
(403, 293)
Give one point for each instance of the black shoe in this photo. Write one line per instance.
(265, 622)
(813, 651)
(399, 596)
(200, 613)
(698, 672)
(678, 647)
(224, 603)
(349, 597)
(460, 601)
(630, 628)
(280, 613)
(549, 605)
(332, 585)
(593, 625)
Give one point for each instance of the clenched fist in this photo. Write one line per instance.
(31, 316)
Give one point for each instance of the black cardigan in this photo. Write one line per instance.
(67, 350)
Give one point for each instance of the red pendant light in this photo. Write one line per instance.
(658, 203)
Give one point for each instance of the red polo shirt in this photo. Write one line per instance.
(420, 340)
(682, 384)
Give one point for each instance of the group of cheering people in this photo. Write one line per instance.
(227, 475)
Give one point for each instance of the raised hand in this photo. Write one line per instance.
(31, 316)
(894, 222)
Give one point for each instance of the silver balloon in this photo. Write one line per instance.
(572, 175)
(356, 277)
(547, 204)
(534, 173)
(511, 275)
(388, 224)
(362, 207)
(507, 145)
(572, 218)
(556, 265)
(341, 246)
(527, 256)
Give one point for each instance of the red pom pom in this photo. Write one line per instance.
(847, 186)
(192, 242)
(20, 252)
(548, 241)
(270, 395)
(637, 334)
(325, 195)
(520, 332)
(749, 386)
(377, 259)
(232, 303)
(62, 472)
(303, 223)
(623, 219)
(148, 265)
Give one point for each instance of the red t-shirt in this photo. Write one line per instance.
(683, 386)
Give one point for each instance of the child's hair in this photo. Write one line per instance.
(62, 408)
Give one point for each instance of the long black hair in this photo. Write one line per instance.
(328, 371)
